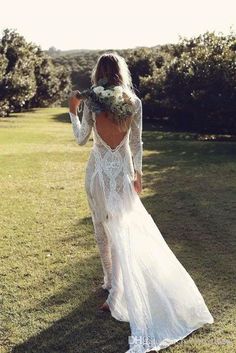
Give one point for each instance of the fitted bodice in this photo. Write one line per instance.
(109, 171)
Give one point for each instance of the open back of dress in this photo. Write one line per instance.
(109, 131)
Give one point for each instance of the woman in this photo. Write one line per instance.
(148, 286)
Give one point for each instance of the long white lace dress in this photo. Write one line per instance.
(150, 288)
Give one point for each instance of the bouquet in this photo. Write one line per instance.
(111, 98)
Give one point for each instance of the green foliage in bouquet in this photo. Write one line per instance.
(111, 98)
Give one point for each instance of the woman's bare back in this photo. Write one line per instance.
(109, 131)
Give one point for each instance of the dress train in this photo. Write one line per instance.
(150, 288)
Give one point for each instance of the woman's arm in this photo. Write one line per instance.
(82, 130)
(136, 144)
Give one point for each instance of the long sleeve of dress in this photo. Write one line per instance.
(136, 143)
(82, 130)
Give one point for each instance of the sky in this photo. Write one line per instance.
(114, 24)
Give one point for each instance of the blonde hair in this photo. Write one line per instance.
(114, 68)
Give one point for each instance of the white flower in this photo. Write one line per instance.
(118, 89)
(106, 93)
(98, 89)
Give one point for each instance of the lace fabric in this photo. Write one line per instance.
(148, 286)
(136, 143)
(82, 130)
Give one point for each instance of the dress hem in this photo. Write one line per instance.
(116, 315)
(171, 341)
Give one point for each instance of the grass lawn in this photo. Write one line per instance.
(51, 272)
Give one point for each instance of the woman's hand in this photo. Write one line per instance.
(74, 101)
(138, 183)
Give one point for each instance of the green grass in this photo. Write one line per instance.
(51, 272)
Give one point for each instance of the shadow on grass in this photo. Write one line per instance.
(192, 199)
(82, 330)
(62, 118)
(201, 240)
(174, 148)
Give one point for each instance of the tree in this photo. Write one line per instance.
(53, 82)
(28, 76)
(18, 83)
(196, 88)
